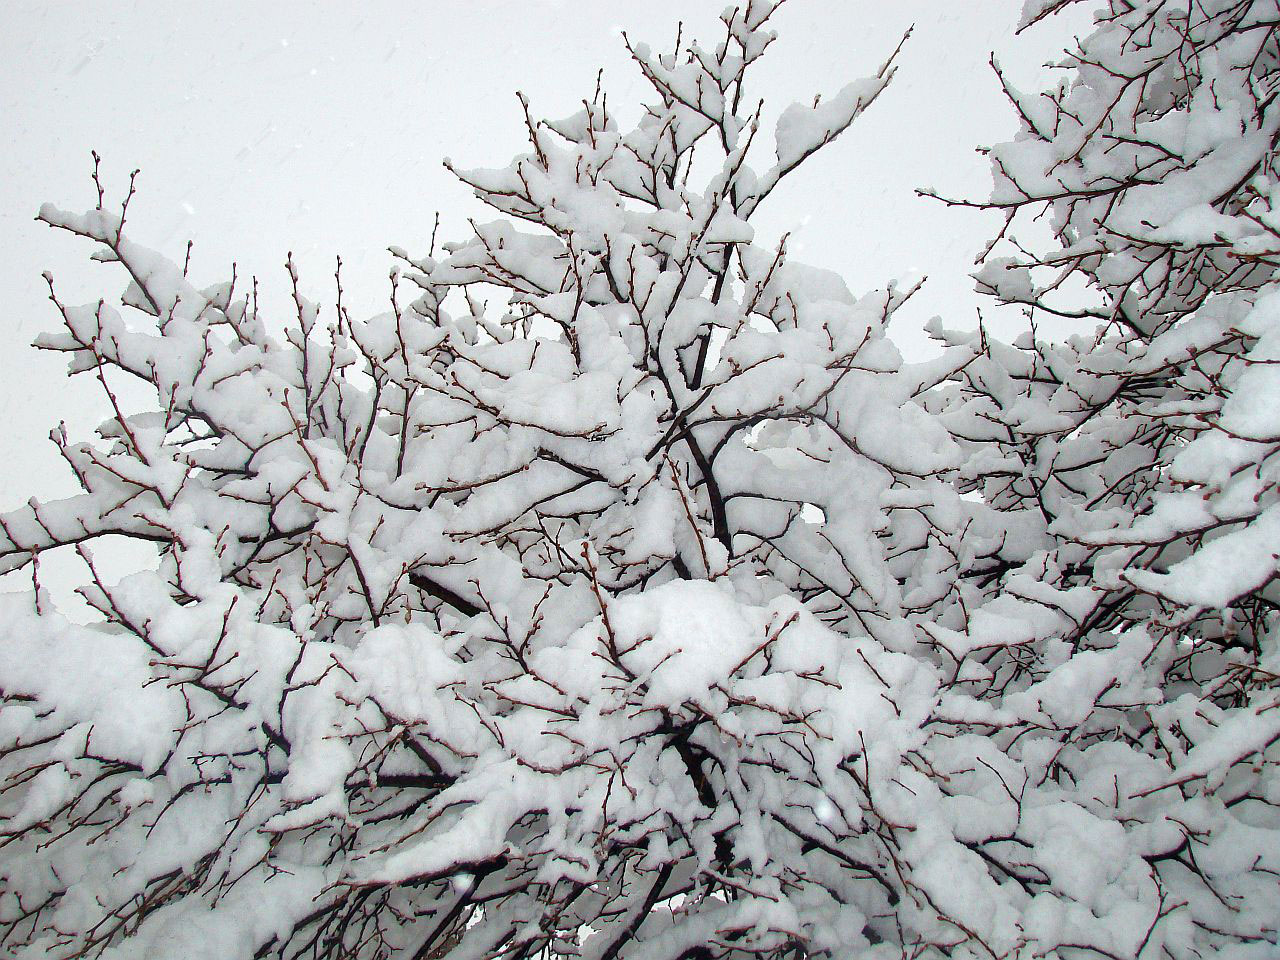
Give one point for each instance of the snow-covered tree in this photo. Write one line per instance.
(555, 629)
(622, 593)
(1142, 456)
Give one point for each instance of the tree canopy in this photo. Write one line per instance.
(623, 592)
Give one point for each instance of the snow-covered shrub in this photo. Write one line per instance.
(659, 609)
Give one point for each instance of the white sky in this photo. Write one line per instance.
(320, 127)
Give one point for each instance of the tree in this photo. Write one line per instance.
(1142, 455)
(622, 593)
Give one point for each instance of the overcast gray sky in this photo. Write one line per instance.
(320, 128)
